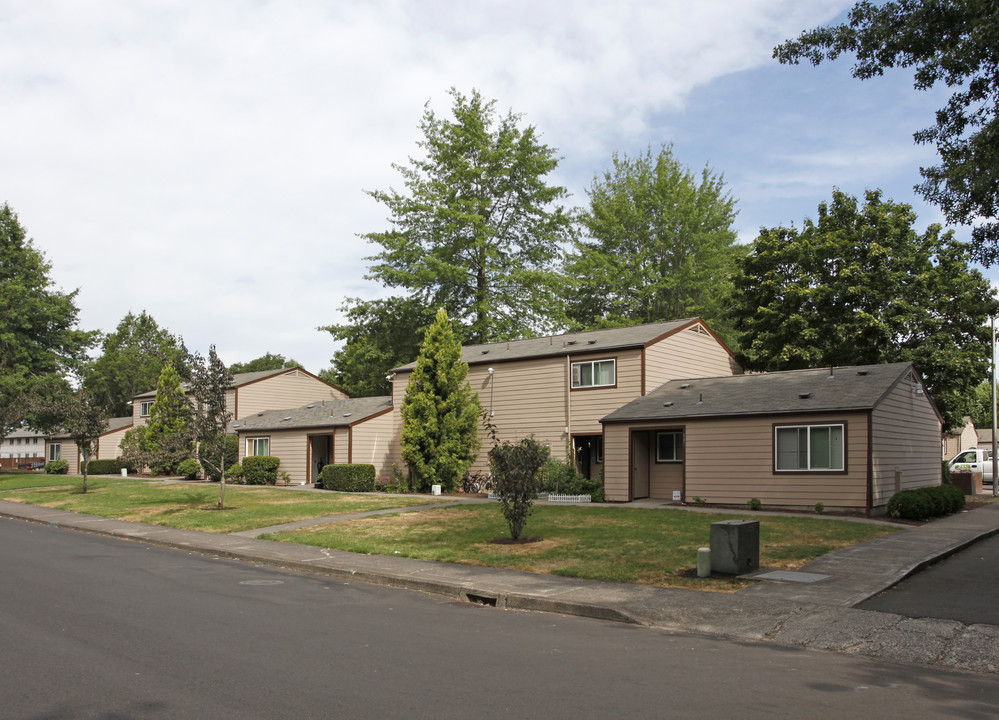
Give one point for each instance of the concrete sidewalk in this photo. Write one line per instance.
(817, 614)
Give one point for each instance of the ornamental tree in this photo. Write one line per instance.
(210, 379)
(169, 437)
(440, 412)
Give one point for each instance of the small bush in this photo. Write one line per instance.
(755, 504)
(189, 469)
(699, 500)
(348, 478)
(515, 469)
(945, 475)
(234, 473)
(57, 467)
(260, 470)
(819, 508)
(925, 502)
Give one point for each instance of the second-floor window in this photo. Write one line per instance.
(145, 407)
(594, 373)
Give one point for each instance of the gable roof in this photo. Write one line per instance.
(113, 424)
(240, 379)
(858, 387)
(576, 343)
(328, 414)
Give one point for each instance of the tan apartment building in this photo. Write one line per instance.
(846, 437)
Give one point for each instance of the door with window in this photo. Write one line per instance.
(640, 445)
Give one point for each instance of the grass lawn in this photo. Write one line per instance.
(18, 481)
(646, 546)
(192, 506)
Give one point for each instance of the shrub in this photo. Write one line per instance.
(945, 475)
(697, 500)
(230, 458)
(107, 467)
(189, 469)
(348, 478)
(57, 467)
(925, 502)
(234, 473)
(515, 470)
(260, 470)
(819, 508)
(755, 504)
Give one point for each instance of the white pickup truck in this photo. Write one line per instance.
(974, 460)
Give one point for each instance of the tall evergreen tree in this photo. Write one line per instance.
(168, 437)
(479, 230)
(440, 413)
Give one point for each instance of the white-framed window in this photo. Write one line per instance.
(144, 407)
(258, 446)
(594, 373)
(809, 447)
(55, 449)
(669, 446)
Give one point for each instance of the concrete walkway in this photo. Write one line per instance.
(816, 615)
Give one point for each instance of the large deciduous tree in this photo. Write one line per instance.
(84, 417)
(861, 286)
(479, 228)
(131, 360)
(947, 41)
(267, 361)
(378, 335)
(659, 245)
(440, 413)
(40, 343)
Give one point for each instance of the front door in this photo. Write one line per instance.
(640, 464)
(320, 452)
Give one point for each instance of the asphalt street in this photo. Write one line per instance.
(963, 587)
(99, 627)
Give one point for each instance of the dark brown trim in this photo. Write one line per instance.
(643, 361)
(819, 423)
(235, 402)
(308, 459)
(592, 387)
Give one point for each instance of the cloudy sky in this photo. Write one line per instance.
(207, 161)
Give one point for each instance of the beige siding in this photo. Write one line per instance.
(376, 442)
(966, 438)
(289, 390)
(745, 469)
(905, 435)
(340, 452)
(110, 444)
(688, 353)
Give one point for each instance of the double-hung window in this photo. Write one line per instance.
(809, 448)
(258, 446)
(144, 408)
(54, 451)
(593, 373)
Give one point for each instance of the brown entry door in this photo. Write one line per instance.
(640, 464)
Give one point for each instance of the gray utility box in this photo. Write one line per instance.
(735, 546)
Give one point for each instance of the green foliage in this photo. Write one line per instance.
(231, 457)
(515, 468)
(479, 229)
(560, 477)
(189, 469)
(439, 412)
(108, 467)
(56, 467)
(348, 478)
(819, 508)
(981, 405)
(260, 470)
(84, 419)
(860, 287)
(926, 502)
(235, 473)
(39, 341)
(945, 472)
(755, 504)
(169, 438)
(209, 381)
(947, 41)
(267, 361)
(697, 500)
(378, 335)
(131, 360)
(661, 245)
(133, 448)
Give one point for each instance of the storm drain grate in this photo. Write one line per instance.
(481, 599)
(791, 576)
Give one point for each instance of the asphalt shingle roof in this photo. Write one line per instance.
(793, 391)
(332, 413)
(237, 380)
(569, 344)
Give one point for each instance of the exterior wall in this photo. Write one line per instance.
(340, 451)
(22, 447)
(690, 353)
(109, 447)
(289, 390)
(966, 438)
(905, 435)
(376, 442)
(291, 446)
(745, 469)
(68, 452)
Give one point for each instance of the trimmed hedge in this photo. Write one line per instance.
(108, 467)
(56, 467)
(348, 478)
(260, 470)
(926, 502)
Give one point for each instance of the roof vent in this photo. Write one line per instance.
(805, 395)
(347, 414)
(260, 414)
(571, 342)
(668, 404)
(591, 342)
(286, 418)
(310, 406)
(684, 386)
(485, 352)
(236, 425)
(700, 399)
(863, 372)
